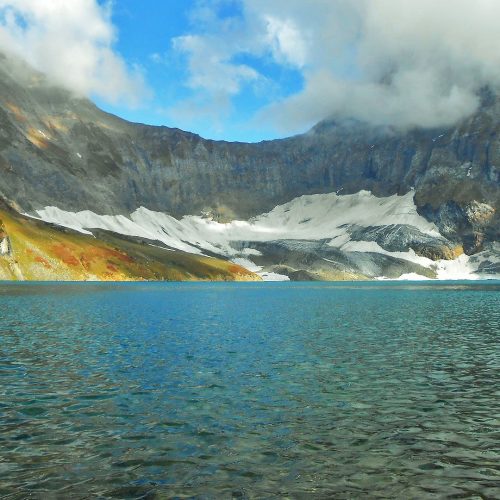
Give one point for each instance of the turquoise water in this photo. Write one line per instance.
(250, 390)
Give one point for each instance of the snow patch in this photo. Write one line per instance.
(4, 246)
(254, 268)
(309, 217)
(457, 269)
(247, 264)
(412, 277)
(273, 276)
(312, 217)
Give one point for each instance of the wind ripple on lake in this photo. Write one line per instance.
(258, 390)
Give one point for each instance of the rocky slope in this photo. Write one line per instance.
(323, 236)
(57, 150)
(34, 250)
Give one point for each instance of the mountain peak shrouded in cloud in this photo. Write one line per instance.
(253, 69)
(72, 42)
(407, 63)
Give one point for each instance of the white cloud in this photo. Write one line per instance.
(286, 41)
(72, 42)
(414, 62)
(210, 66)
(213, 76)
(405, 63)
(156, 57)
(412, 101)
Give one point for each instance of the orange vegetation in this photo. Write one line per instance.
(54, 124)
(15, 111)
(38, 138)
(43, 252)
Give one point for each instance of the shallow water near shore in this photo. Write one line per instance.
(220, 390)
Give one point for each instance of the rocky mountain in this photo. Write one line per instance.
(98, 171)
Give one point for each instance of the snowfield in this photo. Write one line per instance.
(310, 217)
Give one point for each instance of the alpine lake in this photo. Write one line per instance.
(250, 390)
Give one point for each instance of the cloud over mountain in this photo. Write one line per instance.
(288, 63)
(406, 63)
(72, 42)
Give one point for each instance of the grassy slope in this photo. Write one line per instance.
(41, 251)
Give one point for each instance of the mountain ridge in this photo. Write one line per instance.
(59, 150)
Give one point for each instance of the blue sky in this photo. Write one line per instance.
(250, 70)
(146, 31)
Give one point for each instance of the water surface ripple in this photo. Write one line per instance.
(370, 390)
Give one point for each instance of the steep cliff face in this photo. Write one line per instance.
(59, 150)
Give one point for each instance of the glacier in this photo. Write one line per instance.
(331, 226)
